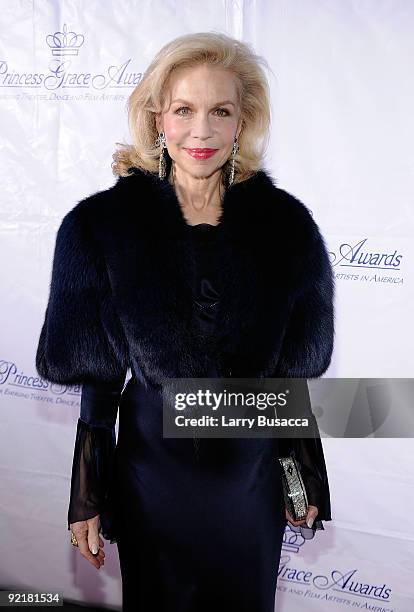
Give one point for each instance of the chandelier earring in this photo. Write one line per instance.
(162, 164)
(234, 152)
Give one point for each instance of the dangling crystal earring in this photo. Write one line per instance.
(162, 164)
(234, 152)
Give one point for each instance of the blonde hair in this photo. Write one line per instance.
(149, 96)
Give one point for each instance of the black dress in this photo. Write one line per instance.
(198, 522)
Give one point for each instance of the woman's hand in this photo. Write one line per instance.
(310, 517)
(89, 540)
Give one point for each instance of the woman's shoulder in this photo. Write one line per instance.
(95, 208)
(283, 213)
(94, 203)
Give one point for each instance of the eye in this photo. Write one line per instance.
(226, 112)
(180, 109)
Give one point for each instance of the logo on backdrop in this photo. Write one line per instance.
(337, 586)
(14, 382)
(366, 264)
(65, 43)
(64, 71)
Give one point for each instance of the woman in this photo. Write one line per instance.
(194, 264)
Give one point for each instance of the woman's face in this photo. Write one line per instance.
(201, 119)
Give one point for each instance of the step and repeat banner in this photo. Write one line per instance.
(341, 141)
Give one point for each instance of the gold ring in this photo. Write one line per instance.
(73, 539)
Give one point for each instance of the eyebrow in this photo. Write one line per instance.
(217, 104)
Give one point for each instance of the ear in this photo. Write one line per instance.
(239, 128)
(158, 122)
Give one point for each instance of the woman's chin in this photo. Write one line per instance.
(199, 169)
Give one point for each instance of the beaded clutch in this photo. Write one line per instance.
(294, 490)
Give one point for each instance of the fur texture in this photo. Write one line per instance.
(120, 294)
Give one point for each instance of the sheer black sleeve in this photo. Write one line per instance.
(309, 453)
(93, 457)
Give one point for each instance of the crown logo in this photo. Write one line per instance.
(65, 43)
(292, 540)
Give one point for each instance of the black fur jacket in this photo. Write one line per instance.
(120, 295)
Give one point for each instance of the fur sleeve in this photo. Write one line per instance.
(81, 339)
(308, 342)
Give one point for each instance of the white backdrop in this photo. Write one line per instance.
(342, 134)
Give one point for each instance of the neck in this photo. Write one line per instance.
(200, 198)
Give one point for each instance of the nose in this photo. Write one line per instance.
(202, 127)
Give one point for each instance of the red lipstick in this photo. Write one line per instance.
(201, 153)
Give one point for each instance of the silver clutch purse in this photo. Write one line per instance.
(294, 491)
